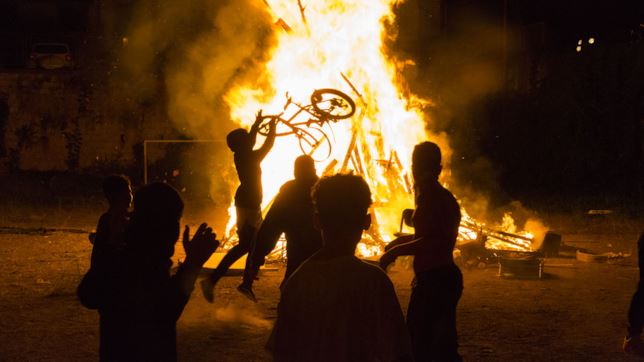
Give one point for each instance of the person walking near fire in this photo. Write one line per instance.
(438, 282)
(292, 214)
(248, 198)
(106, 266)
(336, 307)
(148, 299)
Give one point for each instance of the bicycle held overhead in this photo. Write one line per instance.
(306, 122)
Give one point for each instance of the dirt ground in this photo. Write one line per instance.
(575, 313)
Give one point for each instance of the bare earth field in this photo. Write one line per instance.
(577, 312)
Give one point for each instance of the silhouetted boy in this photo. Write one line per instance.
(292, 214)
(335, 307)
(248, 198)
(111, 225)
(149, 300)
(431, 316)
(633, 341)
(107, 260)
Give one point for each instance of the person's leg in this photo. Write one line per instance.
(431, 316)
(251, 269)
(236, 252)
(246, 235)
(445, 323)
(418, 322)
(261, 245)
(250, 273)
(265, 241)
(247, 224)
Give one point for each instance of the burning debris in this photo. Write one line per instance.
(337, 44)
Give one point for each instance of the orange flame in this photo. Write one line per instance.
(338, 44)
(339, 38)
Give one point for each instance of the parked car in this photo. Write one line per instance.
(50, 56)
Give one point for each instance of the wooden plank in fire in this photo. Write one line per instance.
(517, 236)
(408, 184)
(284, 25)
(354, 135)
(347, 156)
(358, 161)
(395, 179)
(328, 170)
(280, 22)
(303, 15)
(374, 230)
(404, 176)
(394, 174)
(316, 146)
(391, 159)
(396, 159)
(505, 240)
(354, 163)
(496, 234)
(353, 87)
(490, 230)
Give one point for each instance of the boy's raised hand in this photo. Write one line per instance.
(200, 248)
(258, 118)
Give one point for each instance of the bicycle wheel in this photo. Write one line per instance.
(281, 131)
(314, 142)
(332, 104)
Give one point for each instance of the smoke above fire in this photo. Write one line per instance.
(219, 62)
(197, 50)
(461, 67)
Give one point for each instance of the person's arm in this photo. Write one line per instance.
(423, 213)
(398, 241)
(252, 134)
(267, 237)
(414, 247)
(270, 139)
(198, 250)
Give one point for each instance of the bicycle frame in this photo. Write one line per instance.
(317, 119)
(318, 116)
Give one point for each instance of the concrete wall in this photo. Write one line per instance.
(59, 120)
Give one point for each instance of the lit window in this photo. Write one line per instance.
(591, 41)
(578, 48)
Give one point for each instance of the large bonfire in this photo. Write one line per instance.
(338, 44)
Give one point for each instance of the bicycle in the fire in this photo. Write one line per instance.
(327, 105)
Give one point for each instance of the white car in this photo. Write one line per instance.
(50, 56)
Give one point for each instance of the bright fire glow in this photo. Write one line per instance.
(340, 37)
